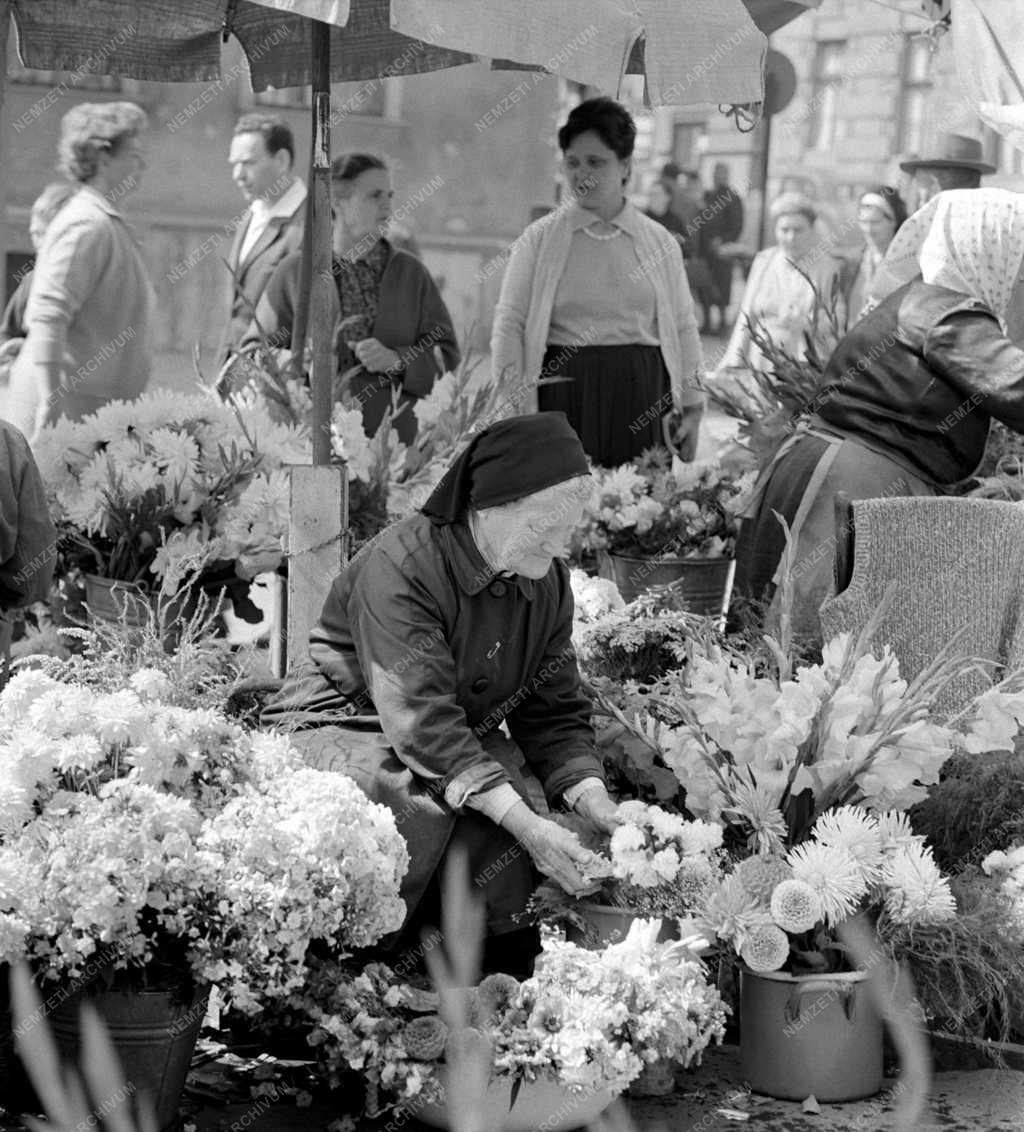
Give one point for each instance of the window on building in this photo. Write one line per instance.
(828, 78)
(374, 98)
(916, 90)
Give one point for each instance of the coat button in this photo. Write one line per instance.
(479, 685)
(498, 589)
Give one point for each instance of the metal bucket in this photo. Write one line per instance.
(154, 1033)
(704, 583)
(815, 1035)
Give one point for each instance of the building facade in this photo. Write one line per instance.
(873, 88)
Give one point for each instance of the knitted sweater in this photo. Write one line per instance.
(522, 317)
(957, 568)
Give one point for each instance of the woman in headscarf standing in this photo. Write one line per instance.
(445, 626)
(880, 215)
(595, 293)
(907, 397)
(788, 286)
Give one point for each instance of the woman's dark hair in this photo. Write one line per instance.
(611, 121)
(892, 198)
(347, 166)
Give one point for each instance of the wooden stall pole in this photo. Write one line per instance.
(320, 306)
(318, 518)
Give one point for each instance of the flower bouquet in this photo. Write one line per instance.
(138, 836)
(779, 910)
(660, 521)
(388, 479)
(145, 493)
(661, 506)
(656, 865)
(588, 1021)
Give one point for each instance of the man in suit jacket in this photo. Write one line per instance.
(262, 157)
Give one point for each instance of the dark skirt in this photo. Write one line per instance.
(615, 400)
(373, 393)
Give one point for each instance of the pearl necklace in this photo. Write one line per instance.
(602, 235)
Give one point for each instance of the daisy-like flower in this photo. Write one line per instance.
(766, 948)
(834, 875)
(732, 913)
(760, 810)
(761, 873)
(795, 906)
(916, 892)
(895, 831)
(855, 831)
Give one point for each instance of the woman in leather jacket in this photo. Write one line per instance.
(907, 397)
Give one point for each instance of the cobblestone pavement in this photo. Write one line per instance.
(710, 1098)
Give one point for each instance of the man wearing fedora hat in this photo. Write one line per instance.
(958, 165)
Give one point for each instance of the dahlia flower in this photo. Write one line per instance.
(766, 948)
(795, 906)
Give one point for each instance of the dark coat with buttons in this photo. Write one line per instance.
(419, 655)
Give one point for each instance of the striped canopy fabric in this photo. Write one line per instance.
(692, 51)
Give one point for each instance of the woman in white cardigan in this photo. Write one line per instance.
(595, 293)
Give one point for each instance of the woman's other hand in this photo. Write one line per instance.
(597, 807)
(375, 356)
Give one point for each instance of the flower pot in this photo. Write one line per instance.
(539, 1105)
(608, 923)
(704, 583)
(809, 1035)
(153, 1031)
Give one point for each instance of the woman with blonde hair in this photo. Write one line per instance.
(785, 288)
(89, 309)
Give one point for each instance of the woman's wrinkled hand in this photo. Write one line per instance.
(597, 807)
(559, 854)
(556, 851)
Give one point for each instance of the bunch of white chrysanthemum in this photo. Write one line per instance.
(853, 860)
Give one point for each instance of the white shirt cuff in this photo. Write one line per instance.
(573, 793)
(494, 803)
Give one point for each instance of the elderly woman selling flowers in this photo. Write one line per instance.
(447, 625)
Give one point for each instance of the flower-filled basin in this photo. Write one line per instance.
(541, 1104)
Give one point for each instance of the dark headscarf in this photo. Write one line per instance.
(507, 461)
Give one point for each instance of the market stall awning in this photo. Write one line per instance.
(692, 51)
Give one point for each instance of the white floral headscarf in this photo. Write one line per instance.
(969, 240)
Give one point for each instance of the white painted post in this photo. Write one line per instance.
(317, 550)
